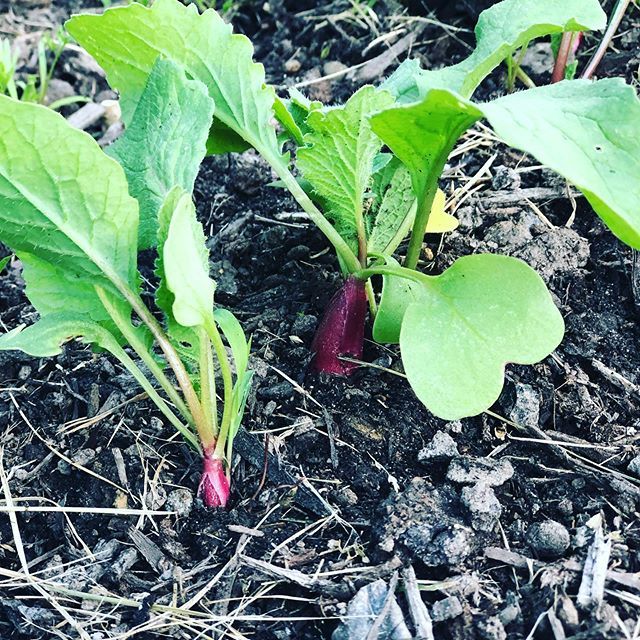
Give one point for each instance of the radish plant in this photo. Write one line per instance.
(368, 171)
(76, 218)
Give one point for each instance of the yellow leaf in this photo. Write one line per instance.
(439, 221)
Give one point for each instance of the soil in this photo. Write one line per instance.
(360, 481)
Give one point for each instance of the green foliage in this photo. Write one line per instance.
(172, 65)
(501, 31)
(466, 324)
(338, 158)
(126, 41)
(165, 142)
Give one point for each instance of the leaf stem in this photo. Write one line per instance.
(560, 66)
(207, 390)
(126, 329)
(135, 371)
(350, 260)
(227, 380)
(388, 270)
(173, 359)
(423, 212)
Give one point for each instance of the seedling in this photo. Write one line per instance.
(456, 330)
(76, 218)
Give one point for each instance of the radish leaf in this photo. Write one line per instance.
(165, 142)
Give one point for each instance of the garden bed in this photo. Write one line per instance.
(359, 481)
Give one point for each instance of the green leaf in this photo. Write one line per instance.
(423, 134)
(185, 339)
(186, 266)
(240, 349)
(64, 200)
(233, 332)
(126, 41)
(4, 262)
(46, 337)
(391, 222)
(500, 31)
(483, 312)
(589, 133)
(338, 158)
(165, 142)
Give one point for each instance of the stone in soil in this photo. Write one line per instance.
(441, 447)
(446, 609)
(483, 506)
(527, 407)
(471, 470)
(548, 539)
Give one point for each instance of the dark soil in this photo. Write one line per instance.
(361, 480)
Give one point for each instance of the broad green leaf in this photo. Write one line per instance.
(233, 332)
(588, 132)
(186, 266)
(46, 337)
(338, 158)
(165, 142)
(64, 200)
(394, 217)
(423, 134)
(481, 313)
(500, 31)
(54, 290)
(126, 41)
(185, 339)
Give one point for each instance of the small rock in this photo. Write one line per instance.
(333, 66)
(123, 563)
(484, 507)
(24, 372)
(293, 65)
(441, 447)
(470, 470)
(568, 613)
(491, 629)
(304, 326)
(446, 609)
(180, 501)
(634, 466)
(539, 58)
(84, 457)
(511, 611)
(250, 173)
(559, 250)
(527, 408)
(362, 613)
(505, 178)
(548, 539)
(279, 391)
(450, 547)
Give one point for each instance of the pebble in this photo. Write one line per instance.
(491, 629)
(634, 466)
(548, 539)
(304, 326)
(484, 507)
(180, 501)
(470, 470)
(441, 447)
(293, 65)
(527, 408)
(505, 178)
(446, 609)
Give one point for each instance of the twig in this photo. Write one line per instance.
(417, 608)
